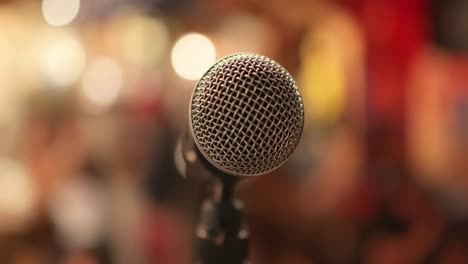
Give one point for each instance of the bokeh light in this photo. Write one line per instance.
(192, 55)
(328, 67)
(76, 209)
(60, 12)
(17, 192)
(62, 58)
(102, 83)
(145, 40)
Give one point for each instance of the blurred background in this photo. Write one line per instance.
(94, 94)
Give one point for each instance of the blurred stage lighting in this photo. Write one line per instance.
(62, 58)
(145, 40)
(60, 12)
(332, 73)
(77, 211)
(7, 58)
(102, 83)
(17, 191)
(192, 55)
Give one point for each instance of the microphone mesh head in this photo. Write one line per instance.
(246, 115)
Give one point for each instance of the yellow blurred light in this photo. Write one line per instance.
(192, 55)
(17, 191)
(62, 58)
(324, 85)
(332, 74)
(102, 83)
(13, 29)
(60, 12)
(145, 40)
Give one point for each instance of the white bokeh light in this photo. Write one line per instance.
(192, 55)
(102, 82)
(60, 12)
(62, 58)
(77, 210)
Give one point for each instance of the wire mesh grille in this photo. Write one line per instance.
(246, 115)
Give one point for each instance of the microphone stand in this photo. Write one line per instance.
(221, 234)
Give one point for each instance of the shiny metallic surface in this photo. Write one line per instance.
(246, 115)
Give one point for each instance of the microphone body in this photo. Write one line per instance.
(246, 117)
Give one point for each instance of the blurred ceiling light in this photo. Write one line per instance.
(145, 40)
(192, 55)
(60, 12)
(17, 191)
(102, 83)
(62, 58)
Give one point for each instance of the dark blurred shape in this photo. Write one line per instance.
(164, 183)
(170, 6)
(51, 109)
(34, 245)
(461, 116)
(449, 19)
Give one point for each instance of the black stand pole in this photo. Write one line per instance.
(221, 233)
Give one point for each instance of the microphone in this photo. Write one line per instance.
(246, 117)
